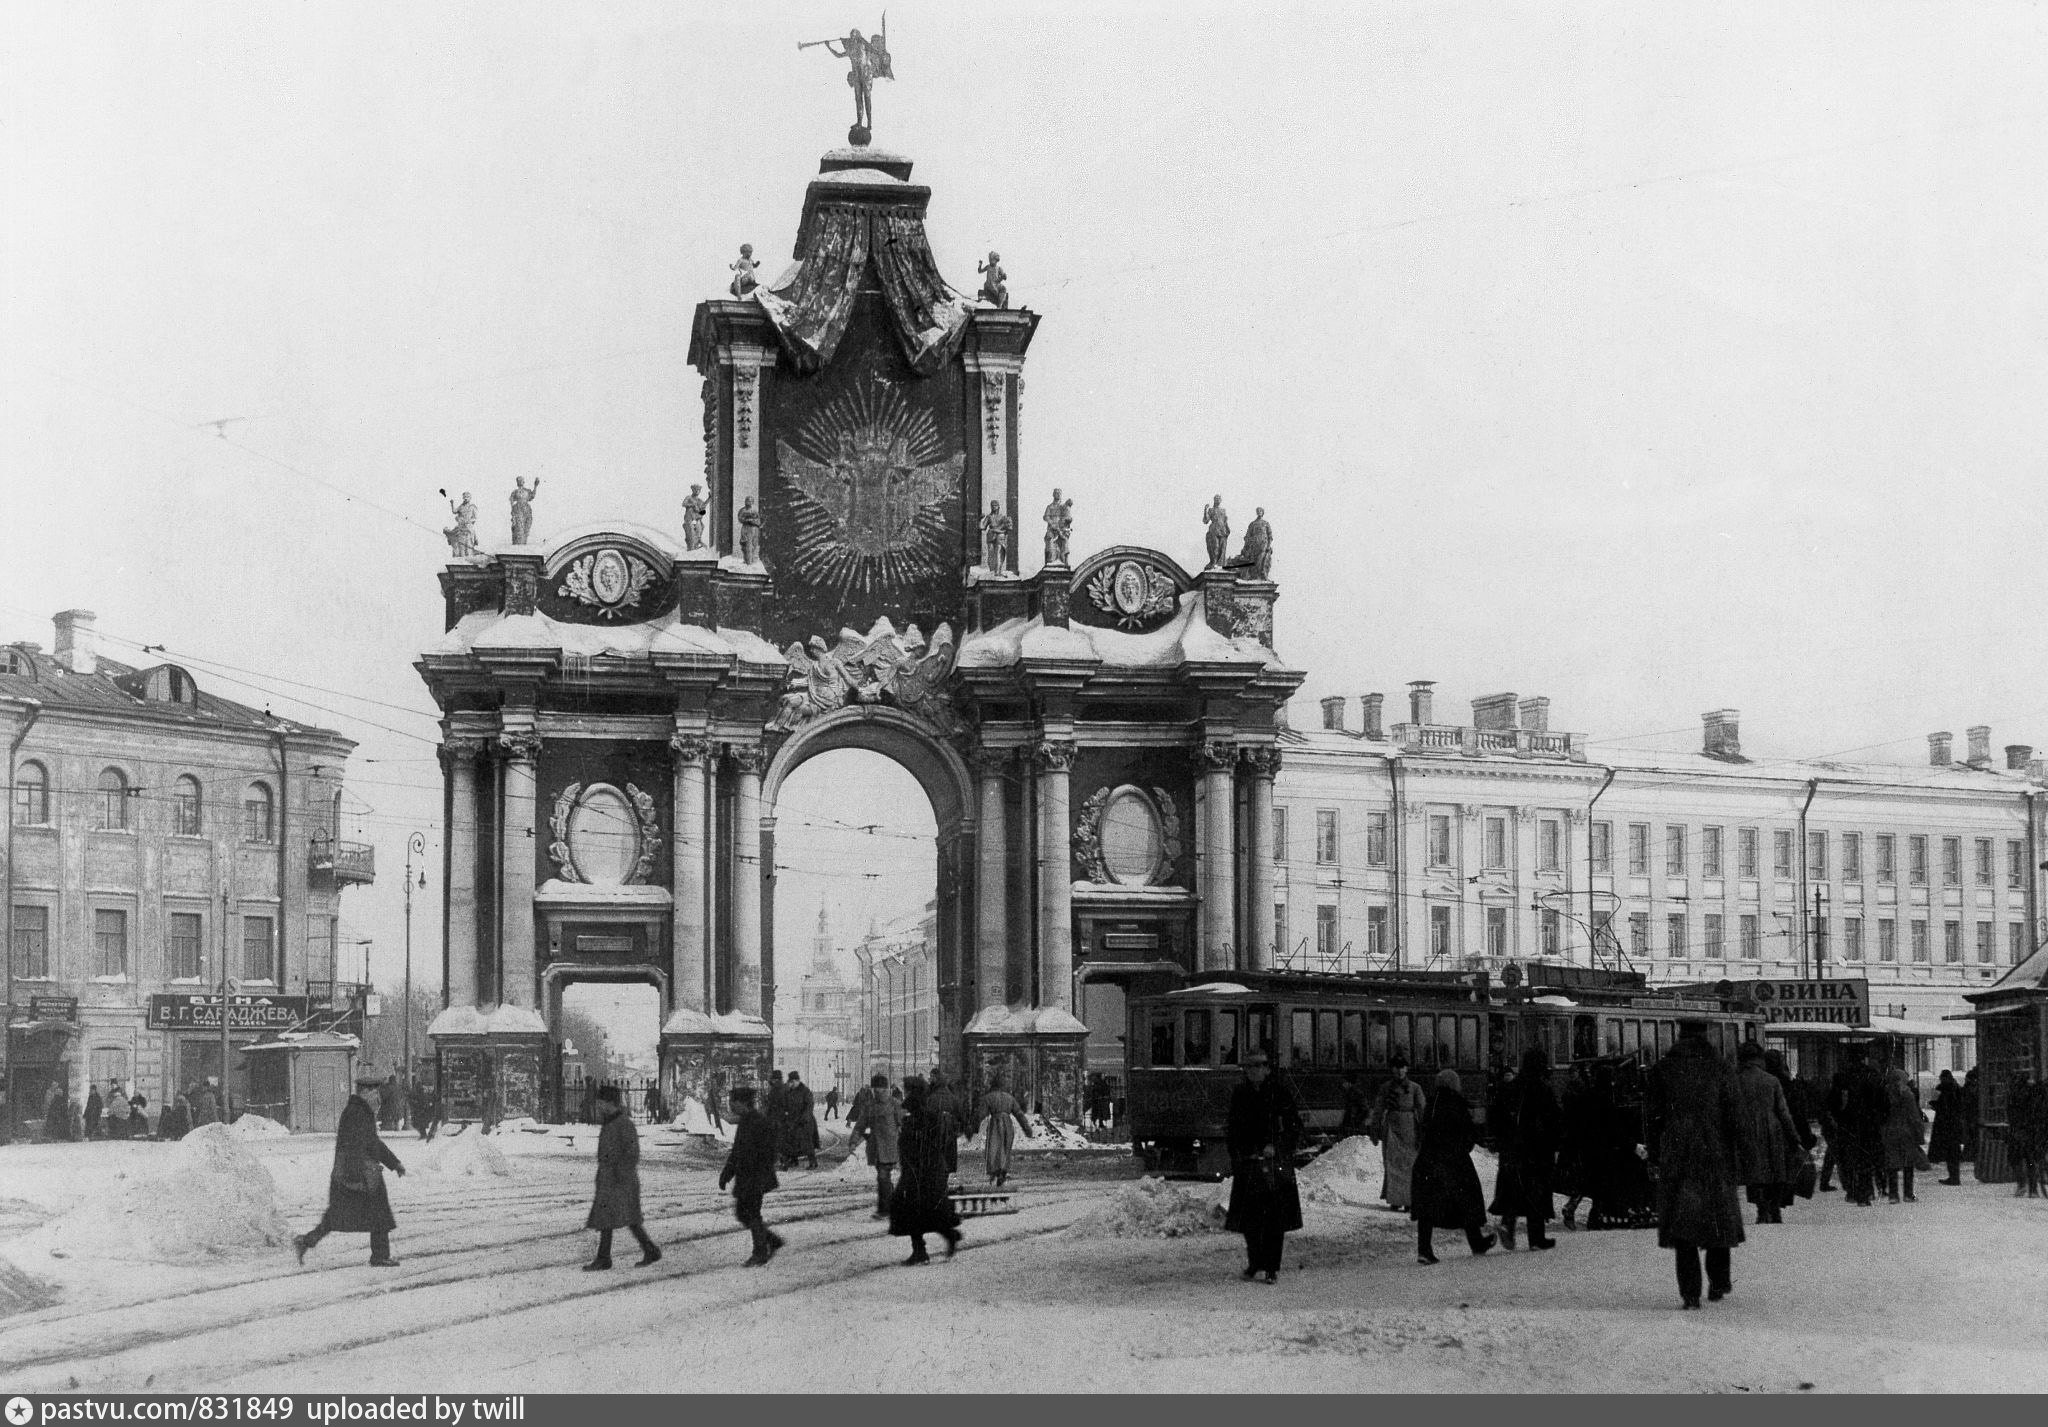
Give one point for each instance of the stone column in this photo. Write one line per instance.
(692, 863)
(516, 852)
(459, 757)
(1219, 881)
(1265, 765)
(992, 885)
(1055, 876)
(748, 760)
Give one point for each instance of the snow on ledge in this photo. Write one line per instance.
(683, 1021)
(476, 1021)
(556, 892)
(1023, 1021)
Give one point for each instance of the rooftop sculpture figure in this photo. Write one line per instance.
(995, 538)
(695, 505)
(522, 508)
(1218, 537)
(1256, 555)
(743, 268)
(995, 288)
(867, 61)
(461, 536)
(750, 533)
(1059, 528)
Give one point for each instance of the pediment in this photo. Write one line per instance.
(1128, 588)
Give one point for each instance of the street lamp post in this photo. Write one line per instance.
(416, 846)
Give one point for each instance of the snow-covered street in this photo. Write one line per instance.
(1082, 1289)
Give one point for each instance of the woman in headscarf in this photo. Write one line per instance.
(1903, 1131)
(1002, 1120)
(1396, 1114)
(920, 1205)
(1446, 1192)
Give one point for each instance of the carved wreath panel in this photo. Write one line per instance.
(604, 837)
(1126, 836)
(609, 581)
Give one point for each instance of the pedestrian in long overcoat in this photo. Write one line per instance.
(876, 1124)
(93, 1106)
(1528, 1138)
(799, 1121)
(1973, 1113)
(60, 1122)
(1446, 1192)
(1691, 1119)
(1001, 1119)
(920, 1204)
(1767, 1148)
(114, 1117)
(1262, 1133)
(615, 1204)
(777, 1110)
(1950, 1138)
(391, 1103)
(357, 1202)
(1799, 1097)
(176, 1122)
(750, 1170)
(832, 1103)
(205, 1105)
(943, 1101)
(1903, 1132)
(1856, 1107)
(1396, 1119)
(2027, 1130)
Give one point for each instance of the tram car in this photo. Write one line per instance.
(1322, 1031)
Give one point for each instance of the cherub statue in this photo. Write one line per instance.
(744, 280)
(1256, 557)
(995, 287)
(695, 505)
(522, 508)
(1059, 528)
(995, 538)
(1219, 531)
(461, 535)
(750, 533)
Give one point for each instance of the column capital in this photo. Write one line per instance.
(748, 757)
(1263, 760)
(1218, 755)
(992, 762)
(456, 750)
(689, 749)
(520, 745)
(1054, 755)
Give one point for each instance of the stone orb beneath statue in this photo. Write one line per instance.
(859, 136)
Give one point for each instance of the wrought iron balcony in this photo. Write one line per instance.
(344, 861)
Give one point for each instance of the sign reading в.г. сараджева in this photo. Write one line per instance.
(245, 1013)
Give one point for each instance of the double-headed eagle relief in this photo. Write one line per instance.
(881, 666)
(872, 490)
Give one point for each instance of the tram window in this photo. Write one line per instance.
(1631, 1037)
(1404, 1036)
(1509, 1051)
(1301, 1039)
(1376, 1038)
(1447, 1040)
(1468, 1042)
(1585, 1038)
(1162, 1038)
(1226, 1038)
(1667, 1037)
(1354, 1037)
(1194, 1044)
(1425, 1042)
(1611, 1029)
(1260, 1029)
(1326, 1038)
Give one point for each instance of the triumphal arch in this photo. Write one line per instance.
(624, 700)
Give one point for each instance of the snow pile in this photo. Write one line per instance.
(855, 1169)
(1051, 1134)
(209, 1198)
(1151, 1208)
(1349, 1172)
(467, 1154)
(257, 1127)
(694, 1119)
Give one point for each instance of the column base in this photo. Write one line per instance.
(1040, 1053)
(703, 1057)
(488, 1063)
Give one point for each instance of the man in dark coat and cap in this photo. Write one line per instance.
(616, 1203)
(1692, 1118)
(356, 1200)
(1265, 1202)
(1856, 1106)
(750, 1170)
(920, 1204)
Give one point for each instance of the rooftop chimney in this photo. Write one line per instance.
(1980, 746)
(1421, 700)
(1937, 749)
(74, 641)
(1723, 735)
(1373, 706)
(2018, 756)
(1536, 715)
(1495, 711)
(1333, 712)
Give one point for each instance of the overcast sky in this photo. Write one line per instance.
(1653, 358)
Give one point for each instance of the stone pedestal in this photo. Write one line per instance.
(489, 1063)
(1039, 1053)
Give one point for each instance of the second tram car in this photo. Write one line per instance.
(1323, 1032)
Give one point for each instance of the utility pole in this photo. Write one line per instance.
(1820, 931)
(415, 846)
(225, 984)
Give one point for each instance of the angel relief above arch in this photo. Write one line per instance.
(881, 667)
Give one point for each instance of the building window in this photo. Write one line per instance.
(1553, 933)
(1281, 948)
(1326, 836)
(1984, 860)
(1549, 845)
(1852, 857)
(1674, 852)
(32, 943)
(1604, 943)
(2015, 864)
(1887, 857)
(1920, 946)
(1326, 934)
(1987, 944)
(1781, 855)
(2016, 943)
(1852, 938)
(1439, 839)
(1376, 932)
(109, 942)
(186, 936)
(1887, 939)
(1816, 857)
(1711, 937)
(1497, 933)
(1916, 860)
(1751, 932)
(1603, 849)
(185, 809)
(1783, 931)
(1746, 852)
(257, 822)
(109, 1064)
(110, 801)
(1495, 844)
(1376, 828)
(1952, 943)
(257, 950)
(1710, 852)
(1639, 935)
(1279, 834)
(32, 795)
(1638, 849)
(1674, 934)
(1439, 933)
(1951, 862)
